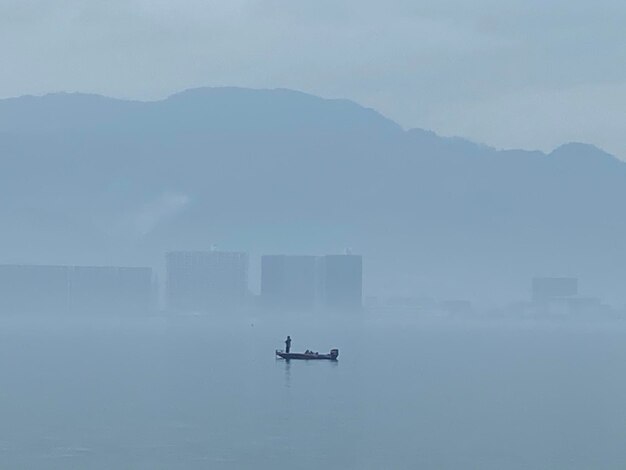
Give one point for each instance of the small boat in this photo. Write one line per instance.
(332, 356)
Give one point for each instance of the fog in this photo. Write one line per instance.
(356, 236)
(157, 254)
(198, 393)
(524, 64)
(94, 181)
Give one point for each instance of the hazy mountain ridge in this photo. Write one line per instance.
(189, 110)
(92, 179)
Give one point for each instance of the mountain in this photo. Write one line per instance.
(90, 179)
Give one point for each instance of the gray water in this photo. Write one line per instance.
(208, 393)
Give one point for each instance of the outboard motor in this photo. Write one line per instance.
(334, 353)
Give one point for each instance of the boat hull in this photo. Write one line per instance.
(306, 357)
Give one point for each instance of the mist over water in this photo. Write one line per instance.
(207, 392)
(185, 185)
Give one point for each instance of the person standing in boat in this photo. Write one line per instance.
(288, 344)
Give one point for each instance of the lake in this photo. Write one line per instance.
(199, 393)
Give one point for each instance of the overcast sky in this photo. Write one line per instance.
(510, 73)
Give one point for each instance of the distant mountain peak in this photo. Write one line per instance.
(578, 151)
(296, 107)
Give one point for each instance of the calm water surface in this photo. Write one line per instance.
(208, 393)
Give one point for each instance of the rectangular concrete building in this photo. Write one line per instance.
(201, 281)
(333, 282)
(82, 290)
(110, 289)
(29, 289)
(341, 278)
(553, 288)
(289, 282)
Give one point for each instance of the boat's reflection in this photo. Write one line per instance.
(287, 366)
(287, 373)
